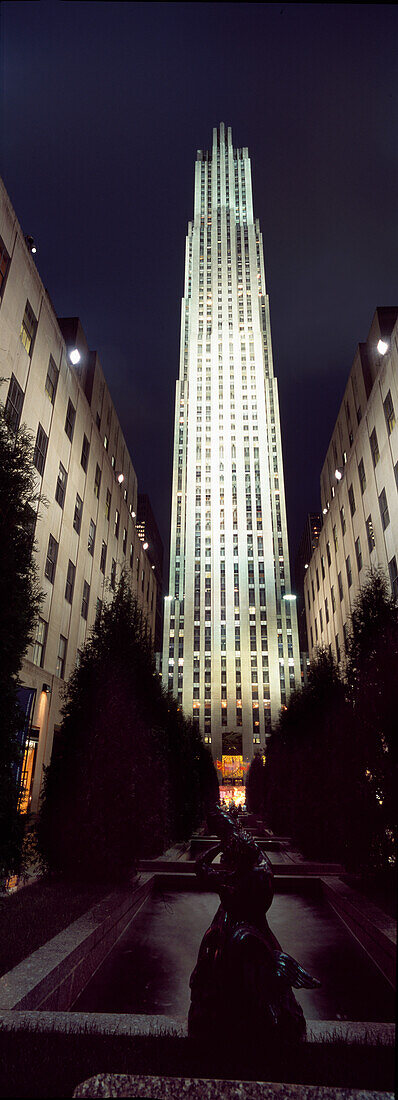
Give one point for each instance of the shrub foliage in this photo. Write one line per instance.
(20, 602)
(128, 775)
(331, 764)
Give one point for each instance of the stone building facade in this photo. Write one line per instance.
(85, 531)
(359, 490)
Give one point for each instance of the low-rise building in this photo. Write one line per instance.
(85, 530)
(359, 490)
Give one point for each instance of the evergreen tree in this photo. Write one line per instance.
(20, 602)
(126, 778)
(371, 671)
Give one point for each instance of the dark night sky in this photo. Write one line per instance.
(103, 106)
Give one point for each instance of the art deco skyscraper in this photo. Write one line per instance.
(230, 650)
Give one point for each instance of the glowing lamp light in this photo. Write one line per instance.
(74, 356)
(153, 567)
(46, 689)
(382, 347)
(145, 545)
(290, 597)
(325, 511)
(133, 515)
(120, 478)
(306, 565)
(338, 475)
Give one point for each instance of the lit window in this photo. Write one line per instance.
(28, 329)
(370, 534)
(116, 524)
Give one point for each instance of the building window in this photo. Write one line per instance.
(385, 515)
(40, 451)
(13, 405)
(351, 499)
(85, 600)
(97, 481)
(333, 598)
(340, 584)
(61, 485)
(70, 581)
(39, 644)
(370, 534)
(77, 518)
(4, 265)
(124, 539)
(374, 447)
(51, 380)
(85, 453)
(358, 553)
(103, 557)
(28, 329)
(108, 499)
(338, 654)
(389, 412)
(70, 420)
(91, 537)
(362, 475)
(116, 524)
(342, 517)
(328, 554)
(51, 560)
(326, 610)
(335, 538)
(61, 657)
(392, 569)
(349, 571)
(113, 574)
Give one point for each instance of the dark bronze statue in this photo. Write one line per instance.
(241, 987)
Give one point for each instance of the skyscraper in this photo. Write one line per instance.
(230, 648)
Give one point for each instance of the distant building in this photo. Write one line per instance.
(148, 531)
(359, 490)
(85, 529)
(230, 648)
(308, 543)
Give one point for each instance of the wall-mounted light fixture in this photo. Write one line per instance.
(74, 356)
(382, 347)
(47, 689)
(119, 477)
(338, 474)
(30, 244)
(145, 545)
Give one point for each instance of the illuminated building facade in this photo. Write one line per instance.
(85, 530)
(230, 644)
(359, 491)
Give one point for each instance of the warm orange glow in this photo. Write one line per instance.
(232, 767)
(229, 795)
(27, 773)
